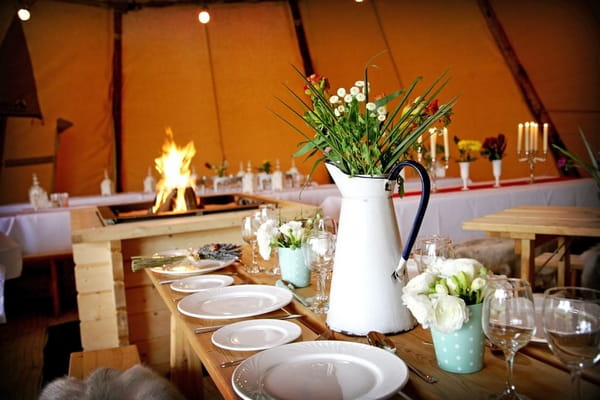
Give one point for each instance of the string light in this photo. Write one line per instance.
(204, 17)
(23, 14)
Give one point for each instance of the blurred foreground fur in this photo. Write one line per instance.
(137, 383)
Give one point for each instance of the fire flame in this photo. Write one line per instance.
(174, 168)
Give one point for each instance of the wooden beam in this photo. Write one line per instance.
(301, 38)
(117, 97)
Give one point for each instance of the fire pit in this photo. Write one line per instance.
(203, 205)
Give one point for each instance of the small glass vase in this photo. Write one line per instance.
(464, 174)
(293, 266)
(497, 171)
(461, 351)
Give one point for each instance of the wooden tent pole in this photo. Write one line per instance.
(117, 82)
(530, 95)
(301, 38)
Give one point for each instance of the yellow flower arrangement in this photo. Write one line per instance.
(467, 149)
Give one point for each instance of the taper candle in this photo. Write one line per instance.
(545, 139)
(526, 137)
(519, 137)
(433, 143)
(446, 145)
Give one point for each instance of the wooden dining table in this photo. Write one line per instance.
(537, 373)
(532, 225)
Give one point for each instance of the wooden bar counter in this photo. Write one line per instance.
(533, 377)
(118, 307)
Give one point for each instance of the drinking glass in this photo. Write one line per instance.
(267, 212)
(508, 321)
(571, 320)
(431, 248)
(319, 250)
(250, 225)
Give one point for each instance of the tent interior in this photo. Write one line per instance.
(110, 76)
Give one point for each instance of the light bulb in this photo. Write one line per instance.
(24, 14)
(204, 17)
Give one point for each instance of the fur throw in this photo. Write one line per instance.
(137, 383)
(590, 277)
(496, 254)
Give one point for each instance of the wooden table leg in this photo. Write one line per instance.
(186, 368)
(564, 260)
(528, 261)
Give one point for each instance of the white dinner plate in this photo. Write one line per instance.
(189, 266)
(201, 282)
(320, 370)
(538, 302)
(256, 334)
(234, 301)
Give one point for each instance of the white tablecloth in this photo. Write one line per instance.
(49, 230)
(447, 211)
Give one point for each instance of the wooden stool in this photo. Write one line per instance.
(51, 259)
(82, 363)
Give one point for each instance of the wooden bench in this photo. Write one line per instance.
(82, 363)
(551, 260)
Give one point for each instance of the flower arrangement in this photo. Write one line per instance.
(290, 234)
(466, 149)
(592, 168)
(219, 170)
(439, 296)
(265, 167)
(360, 133)
(494, 147)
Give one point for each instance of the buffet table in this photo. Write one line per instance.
(448, 210)
(189, 351)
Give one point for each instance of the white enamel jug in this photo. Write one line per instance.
(365, 293)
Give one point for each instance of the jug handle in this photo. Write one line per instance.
(426, 189)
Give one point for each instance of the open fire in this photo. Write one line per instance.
(175, 189)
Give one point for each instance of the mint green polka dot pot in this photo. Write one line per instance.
(461, 351)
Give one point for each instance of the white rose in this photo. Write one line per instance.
(292, 229)
(452, 266)
(420, 306)
(478, 283)
(419, 284)
(449, 313)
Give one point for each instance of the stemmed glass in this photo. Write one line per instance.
(431, 248)
(571, 318)
(508, 321)
(250, 225)
(319, 250)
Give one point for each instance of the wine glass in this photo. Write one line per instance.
(431, 248)
(250, 225)
(319, 250)
(571, 320)
(326, 224)
(508, 321)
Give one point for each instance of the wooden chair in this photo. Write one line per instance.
(51, 260)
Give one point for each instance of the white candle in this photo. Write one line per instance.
(526, 137)
(446, 145)
(535, 135)
(420, 148)
(545, 149)
(519, 138)
(433, 142)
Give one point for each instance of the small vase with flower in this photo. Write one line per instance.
(493, 148)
